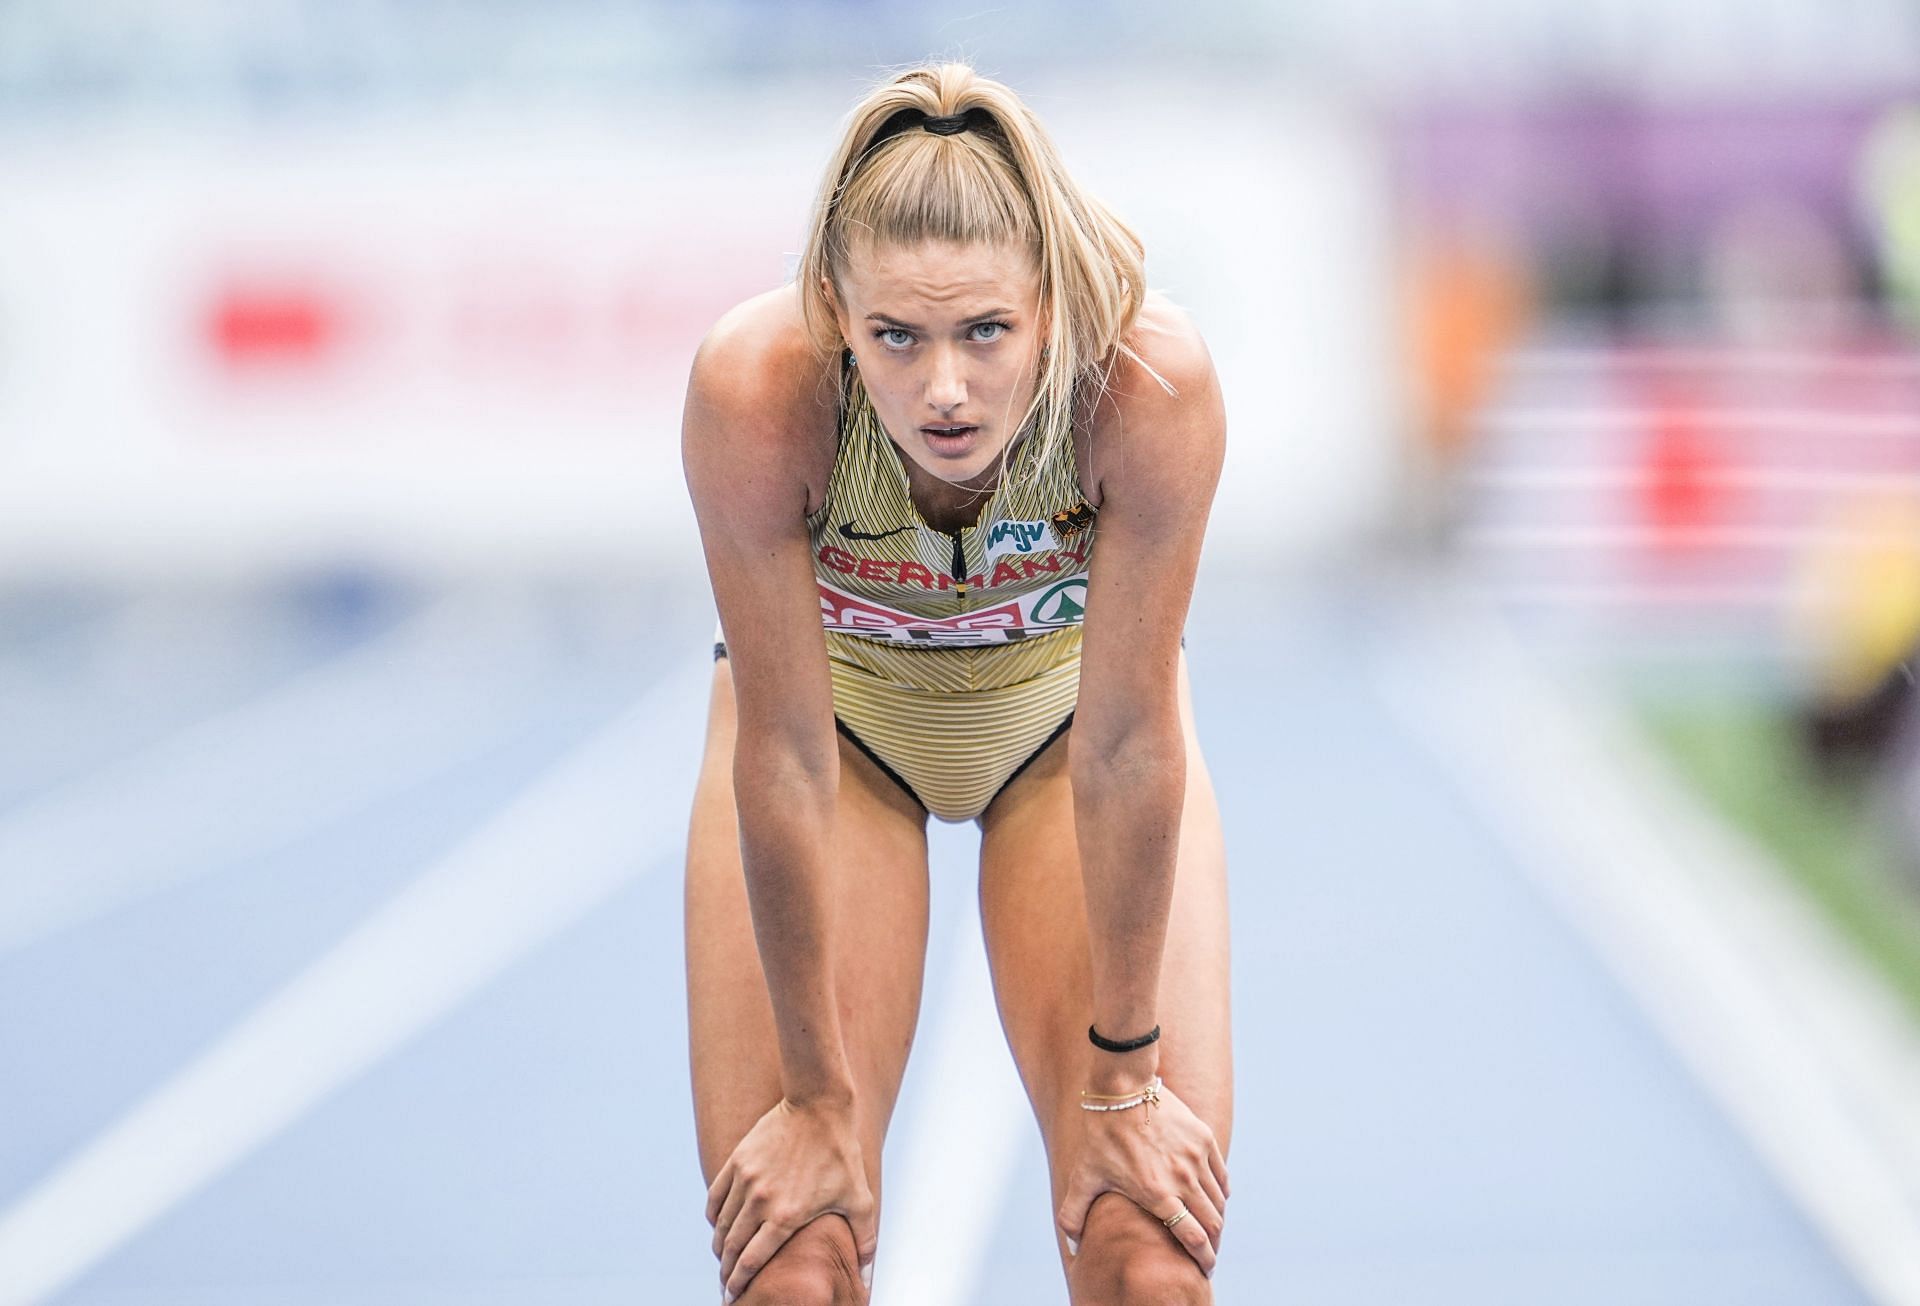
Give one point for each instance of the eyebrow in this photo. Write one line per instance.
(909, 326)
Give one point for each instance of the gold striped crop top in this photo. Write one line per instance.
(981, 607)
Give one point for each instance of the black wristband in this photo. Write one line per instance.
(1123, 1045)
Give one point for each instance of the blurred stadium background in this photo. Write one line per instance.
(1555, 647)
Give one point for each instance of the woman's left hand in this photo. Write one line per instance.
(1163, 1164)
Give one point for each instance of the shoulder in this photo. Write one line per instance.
(758, 347)
(1160, 410)
(1164, 342)
(760, 395)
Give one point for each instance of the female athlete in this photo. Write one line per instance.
(951, 485)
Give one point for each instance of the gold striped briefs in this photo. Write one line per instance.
(955, 751)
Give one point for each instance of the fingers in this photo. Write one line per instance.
(746, 1215)
(729, 1213)
(767, 1240)
(1208, 1214)
(864, 1219)
(1217, 1196)
(738, 1236)
(717, 1190)
(1194, 1236)
(1072, 1217)
(1217, 1163)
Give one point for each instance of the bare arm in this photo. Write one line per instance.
(1157, 457)
(755, 431)
(755, 413)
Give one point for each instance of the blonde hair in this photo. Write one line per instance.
(999, 181)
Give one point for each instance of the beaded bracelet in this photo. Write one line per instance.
(1148, 1097)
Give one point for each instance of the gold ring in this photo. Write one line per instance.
(1177, 1216)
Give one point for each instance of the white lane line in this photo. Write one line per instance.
(962, 1146)
(387, 714)
(565, 845)
(1808, 1053)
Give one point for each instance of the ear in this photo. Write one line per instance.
(1043, 334)
(839, 309)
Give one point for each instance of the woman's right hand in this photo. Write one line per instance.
(797, 1163)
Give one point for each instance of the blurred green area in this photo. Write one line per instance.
(1746, 757)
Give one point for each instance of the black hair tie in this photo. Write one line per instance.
(1122, 1045)
(978, 118)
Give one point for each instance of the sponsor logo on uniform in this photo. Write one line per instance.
(1005, 537)
(849, 614)
(1063, 605)
(906, 572)
(1053, 608)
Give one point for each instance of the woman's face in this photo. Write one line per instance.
(947, 340)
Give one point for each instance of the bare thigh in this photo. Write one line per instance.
(880, 940)
(1034, 915)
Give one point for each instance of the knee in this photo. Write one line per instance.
(818, 1266)
(1161, 1279)
(1127, 1260)
(1138, 1276)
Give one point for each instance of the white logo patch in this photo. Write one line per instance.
(1018, 538)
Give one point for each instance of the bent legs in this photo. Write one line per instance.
(1034, 915)
(880, 939)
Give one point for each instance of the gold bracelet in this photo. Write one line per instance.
(1148, 1097)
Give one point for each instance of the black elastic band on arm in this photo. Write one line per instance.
(1125, 1044)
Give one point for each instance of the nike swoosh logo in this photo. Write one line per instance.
(846, 529)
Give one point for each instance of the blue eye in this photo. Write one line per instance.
(998, 328)
(883, 334)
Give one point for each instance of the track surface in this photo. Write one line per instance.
(206, 798)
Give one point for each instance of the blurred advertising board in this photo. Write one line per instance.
(464, 339)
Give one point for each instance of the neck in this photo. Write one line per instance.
(942, 504)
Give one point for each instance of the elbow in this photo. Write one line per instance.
(1146, 758)
(796, 774)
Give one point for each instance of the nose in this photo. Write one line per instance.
(946, 382)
